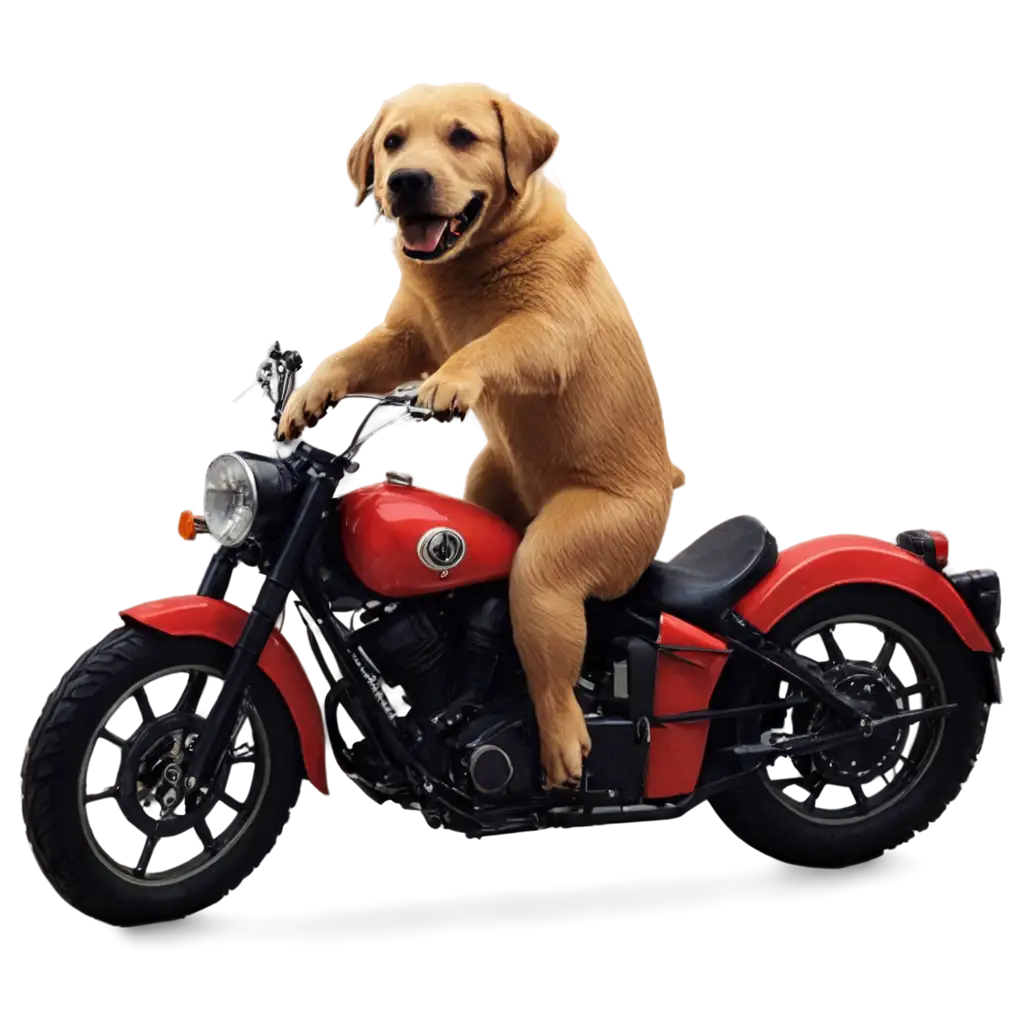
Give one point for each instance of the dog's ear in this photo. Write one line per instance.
(360, 159)
(526, 141)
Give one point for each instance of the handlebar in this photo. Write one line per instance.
(281, 367)
(405, 396)
(361, 426)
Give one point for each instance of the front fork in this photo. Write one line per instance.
(216, 734)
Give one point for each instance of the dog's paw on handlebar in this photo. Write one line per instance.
(450, 392)
(442, 415)
(306, 407)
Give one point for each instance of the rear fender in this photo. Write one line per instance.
(217, 620)
(817, 565)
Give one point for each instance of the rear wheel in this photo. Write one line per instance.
(102, 783)
(852, 803)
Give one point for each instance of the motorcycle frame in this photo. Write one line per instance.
(255, 641)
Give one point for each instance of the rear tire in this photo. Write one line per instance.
(53, 782)
(758, 813)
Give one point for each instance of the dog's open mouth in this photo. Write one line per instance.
(428, 236)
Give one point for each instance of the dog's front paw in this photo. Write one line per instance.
(453, 389)
(306, 407)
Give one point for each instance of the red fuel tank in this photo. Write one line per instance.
(402, 541)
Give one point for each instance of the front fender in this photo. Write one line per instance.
(817, 565)
(217, 620)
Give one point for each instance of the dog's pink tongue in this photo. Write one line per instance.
(423, 235)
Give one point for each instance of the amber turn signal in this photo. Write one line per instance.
(189, 525)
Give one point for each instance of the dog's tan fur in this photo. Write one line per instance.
(520, 322)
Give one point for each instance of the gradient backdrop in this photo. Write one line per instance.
(828, 275)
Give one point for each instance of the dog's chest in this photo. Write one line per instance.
(457, 329)
(457, 318)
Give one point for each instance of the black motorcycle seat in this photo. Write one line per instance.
(714, 572)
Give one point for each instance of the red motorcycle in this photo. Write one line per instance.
(829, 700)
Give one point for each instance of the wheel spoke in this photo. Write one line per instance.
(908, 766)
(884, 656)
(202, 829)
(922, 686)
(814, 791)
(242, 754)
(101, 797)
(832, 648)
(239, 803)
(859, 798)
(145, 708)
(106, 734)
(146, 857)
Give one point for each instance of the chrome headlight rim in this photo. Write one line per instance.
(250, 478)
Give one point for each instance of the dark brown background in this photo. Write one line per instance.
(170, 190)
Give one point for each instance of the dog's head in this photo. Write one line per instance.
(445, 161)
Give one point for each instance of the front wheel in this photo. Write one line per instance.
(850, 804)
(108, 820)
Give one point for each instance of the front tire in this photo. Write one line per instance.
(59, 808)
(770, 811)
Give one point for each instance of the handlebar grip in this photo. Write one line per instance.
(429, 416)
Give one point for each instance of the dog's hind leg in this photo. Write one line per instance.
(583, 543)
(489, 485)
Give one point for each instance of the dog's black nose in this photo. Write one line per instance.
(406, 184)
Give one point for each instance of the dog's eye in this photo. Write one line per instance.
(393, 141)
(461, 137)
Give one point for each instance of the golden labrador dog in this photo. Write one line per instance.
(505, 308)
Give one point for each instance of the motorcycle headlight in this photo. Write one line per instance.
(246, 492)
(231, 500)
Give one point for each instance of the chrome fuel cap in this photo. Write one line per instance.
(402, 479)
